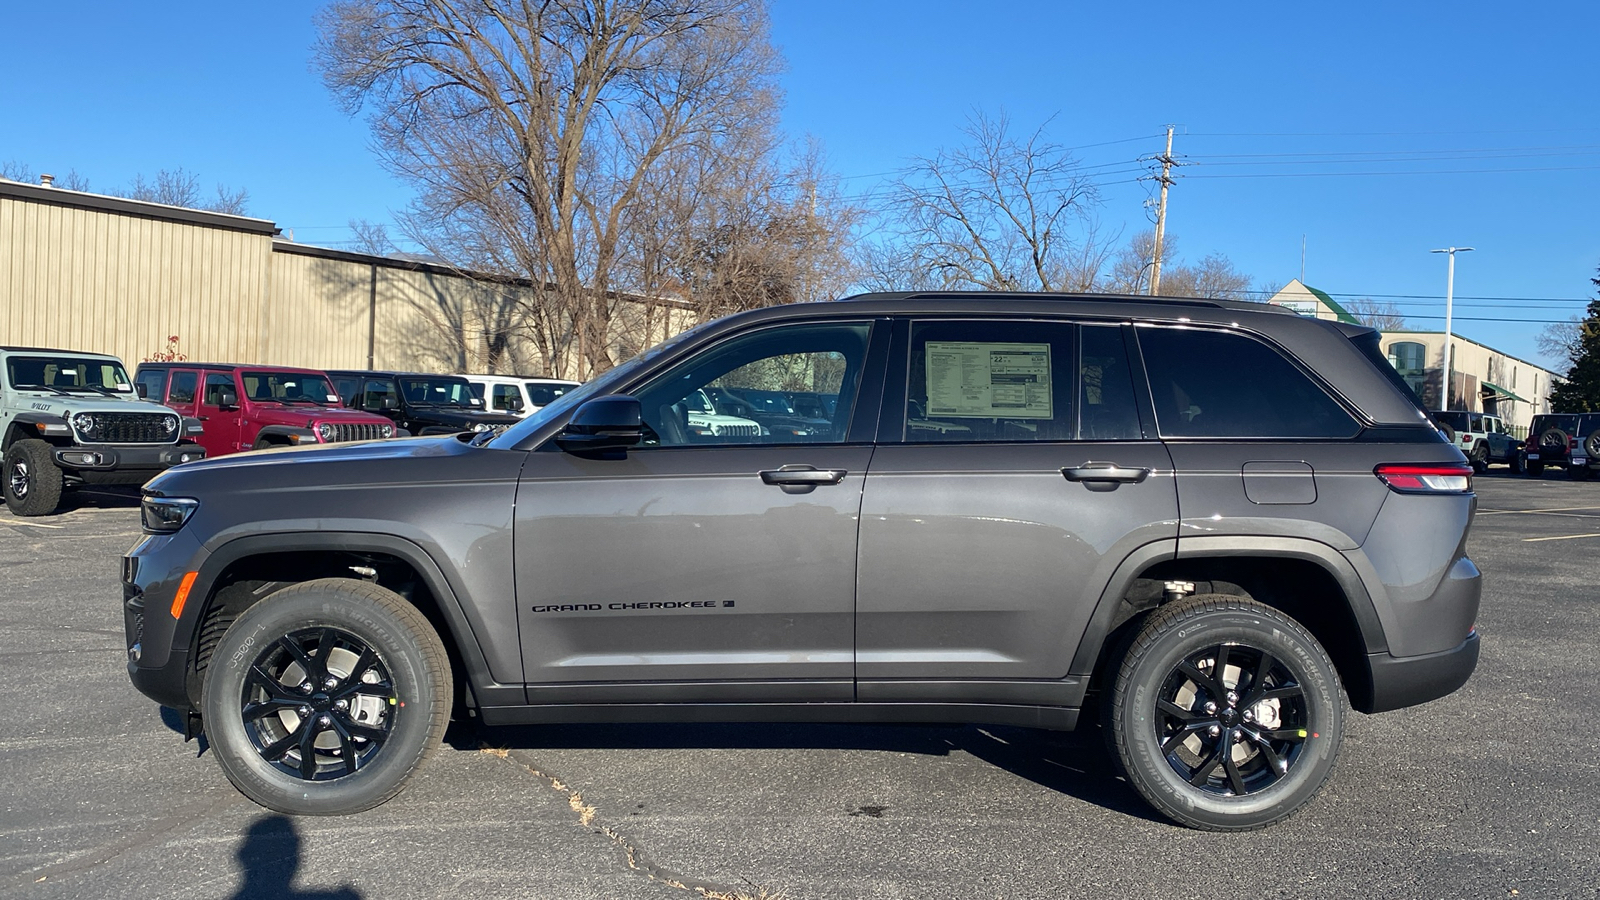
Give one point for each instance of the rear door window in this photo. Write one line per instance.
(1218, 384)
(990, 381)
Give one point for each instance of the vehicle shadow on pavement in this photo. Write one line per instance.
(100, 496)
(1073, 763)
(270, 857)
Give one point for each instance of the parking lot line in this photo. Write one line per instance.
(1560, 537)
(1502, 512)
(36, 524)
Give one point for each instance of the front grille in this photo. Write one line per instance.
(132, 428)
(362, 432)
(736, 430)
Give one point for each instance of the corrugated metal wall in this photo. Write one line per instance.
(94, 280)
(107, 275)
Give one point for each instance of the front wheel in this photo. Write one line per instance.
(325, 697)
(32, 482)
(1479, 458)
(1226, 714)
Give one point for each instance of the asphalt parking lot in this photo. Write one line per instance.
(1491, 792)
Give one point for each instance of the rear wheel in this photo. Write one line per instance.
(1226, 714)
(1479, 457)
(32, 481)
(325, 697)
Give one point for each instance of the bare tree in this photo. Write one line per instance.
(178, 187)
(1562, 340)
(370, 237)
(1384, 316)
(530, 129)
(1214, 277)
(21, 171)
(999, 212)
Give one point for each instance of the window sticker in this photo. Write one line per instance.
(988, 380)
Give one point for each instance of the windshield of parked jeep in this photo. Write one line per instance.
(437, 392)
(289, 388)
(68, 374)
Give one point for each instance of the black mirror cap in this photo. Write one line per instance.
(142, 390)
(604, 423)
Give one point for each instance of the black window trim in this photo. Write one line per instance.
(1362, 421)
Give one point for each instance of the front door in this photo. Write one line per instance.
(1023, 478)
(717, 563)
(222, 422)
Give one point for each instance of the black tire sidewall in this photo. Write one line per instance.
(1140, 748)
(417, 719)
(44, 478)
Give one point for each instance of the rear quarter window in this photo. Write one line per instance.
(1218, 384)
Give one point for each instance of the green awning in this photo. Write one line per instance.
(1501, 393)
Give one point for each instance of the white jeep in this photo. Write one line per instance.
(69, 418)
(1483, 439)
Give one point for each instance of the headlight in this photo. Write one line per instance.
(325, 431)
(481, 426)
(86, 425)
(170, 424)
(164, 515)
(388, 431)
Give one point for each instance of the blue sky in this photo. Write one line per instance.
(1455, 95)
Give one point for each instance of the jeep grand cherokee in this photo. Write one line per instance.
(1205, 521)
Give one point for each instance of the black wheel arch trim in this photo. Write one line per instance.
(463, 636)
(1104, 617)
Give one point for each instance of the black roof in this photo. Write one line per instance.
(53, 350)
(382, 373)
(228, 367)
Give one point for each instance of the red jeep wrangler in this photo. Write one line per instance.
(252, 407)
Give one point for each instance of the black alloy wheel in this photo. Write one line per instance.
(1226, 714)
(318, 703)
(1232, 719)
(325, 697)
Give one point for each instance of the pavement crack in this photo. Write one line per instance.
(634, 857)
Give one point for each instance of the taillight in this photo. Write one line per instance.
(1426, 478)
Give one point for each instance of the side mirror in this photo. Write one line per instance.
(604, 423)
(228, 399)
(143, 391)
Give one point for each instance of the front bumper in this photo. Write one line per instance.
(1401, 681)
(159, 644)
(118, 457)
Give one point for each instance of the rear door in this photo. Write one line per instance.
(1013, 475)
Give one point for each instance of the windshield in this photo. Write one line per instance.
(289, 388)
(437, 392)
(68, 375)
(598, 387)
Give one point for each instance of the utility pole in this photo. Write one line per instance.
(1449, 310)
(1161, 214)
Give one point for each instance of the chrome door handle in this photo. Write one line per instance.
(1104, 473)
(802, 479)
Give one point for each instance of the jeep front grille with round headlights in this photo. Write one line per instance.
(169, 424)
(388, 431)
(325, 432)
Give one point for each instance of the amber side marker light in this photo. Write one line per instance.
(183, 594)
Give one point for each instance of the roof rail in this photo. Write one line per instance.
(1073, 297)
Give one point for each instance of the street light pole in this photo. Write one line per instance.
(1449, 311)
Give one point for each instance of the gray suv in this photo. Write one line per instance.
(1201, 523)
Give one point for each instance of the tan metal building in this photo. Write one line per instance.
(89, 272)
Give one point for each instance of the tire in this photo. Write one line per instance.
(1173, 760)
(1591, 445)
(1518, 463)
(261, 722)
(1479, 458)
(31, 481)
(1448, 432)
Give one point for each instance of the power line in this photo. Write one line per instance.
(1426, 172)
